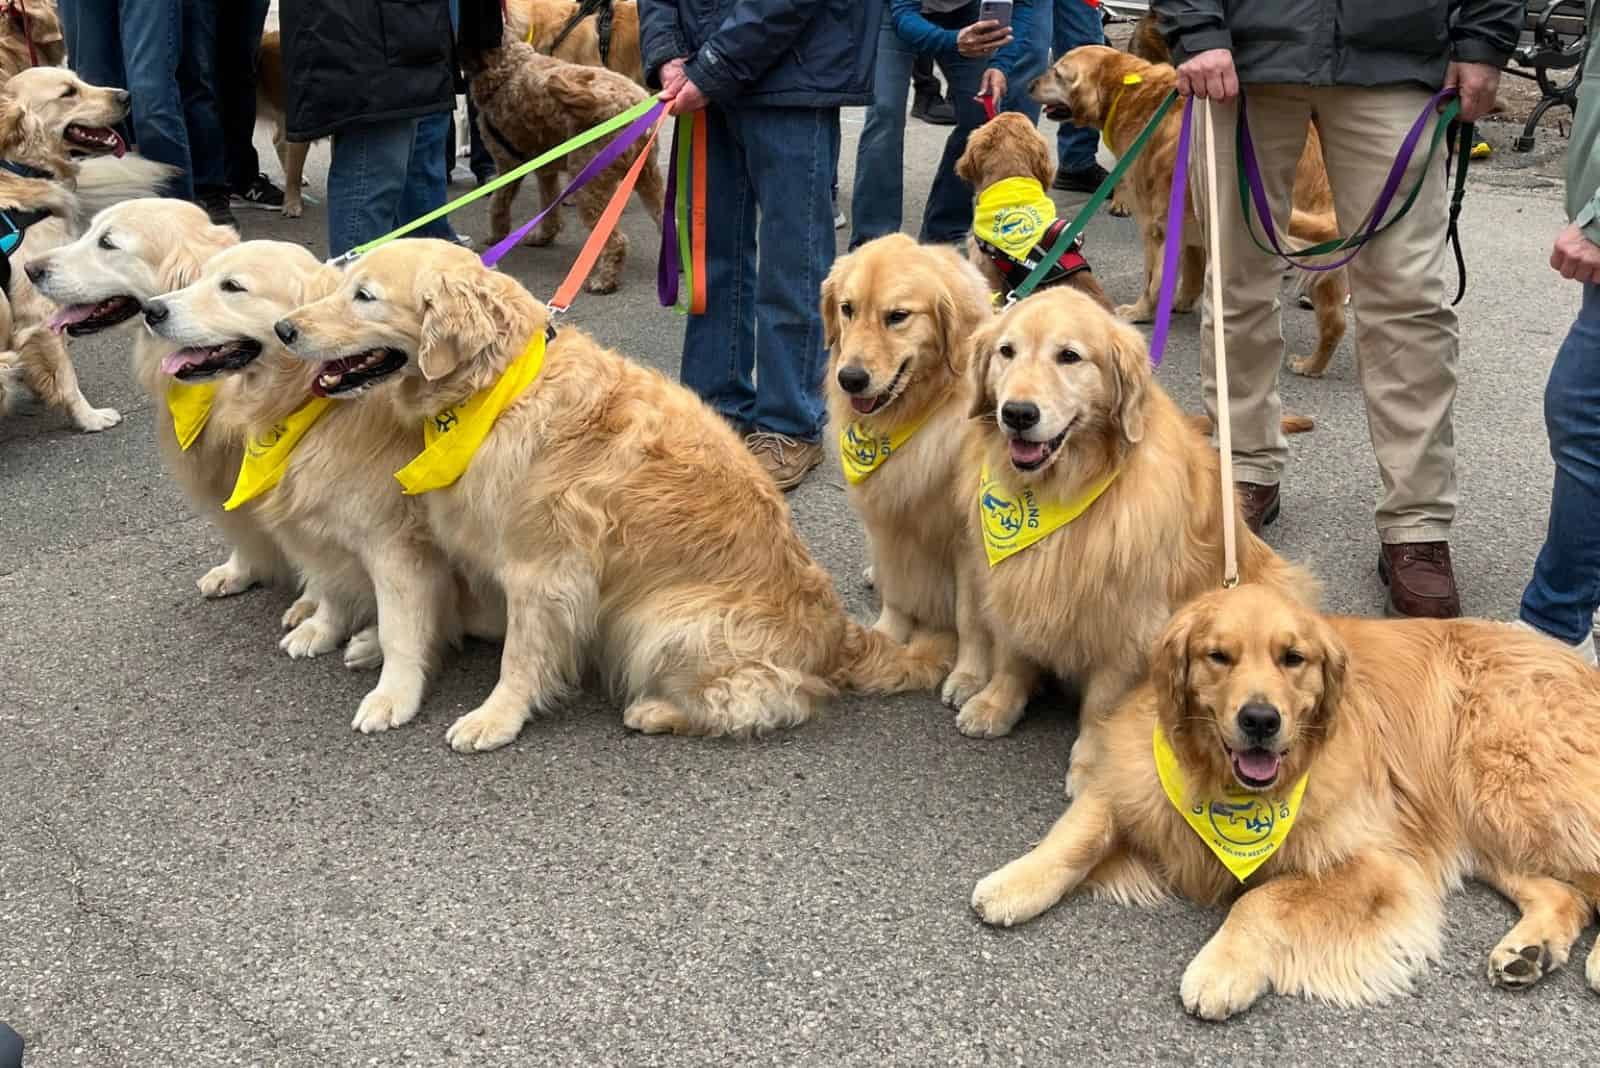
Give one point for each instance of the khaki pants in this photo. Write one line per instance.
(1406, 344)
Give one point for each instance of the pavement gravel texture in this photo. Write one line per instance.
(200, 863)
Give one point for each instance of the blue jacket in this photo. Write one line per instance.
(768, 53)
(930, 39)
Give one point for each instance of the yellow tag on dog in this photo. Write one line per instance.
(862, 452)
(1013, 521)
(190, 406)
(267, 456)
(1243, 829)
(451, 438)
(1012, 215)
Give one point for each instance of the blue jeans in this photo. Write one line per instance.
(1059, 26)
(238, 42)
(878, 200)
(427, 180)
(199, 80)
(757, 355)
(1564, 592)
(138, 45)
(367, 180)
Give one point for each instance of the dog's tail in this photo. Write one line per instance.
(869, 661)
(106, 180)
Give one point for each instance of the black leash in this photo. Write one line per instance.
(1461, 142)
(603, 13)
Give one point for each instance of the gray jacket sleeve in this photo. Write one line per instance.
(1486, 31)
(1192, 26)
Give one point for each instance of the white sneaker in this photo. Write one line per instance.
(1584, 649)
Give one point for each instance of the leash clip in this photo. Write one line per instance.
(556, 311)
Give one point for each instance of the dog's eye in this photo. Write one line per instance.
(1007, 351)
(1068, 356)
(363, 296)
(105, 243)
(1217, 656)
(847, 310)
(1292, 658)
(230, 286)
(896, 317)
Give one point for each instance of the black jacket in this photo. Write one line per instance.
(1344, 42)
(769, 53)
(352, 61)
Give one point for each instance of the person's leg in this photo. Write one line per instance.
(1250, 278)
(1564, 592)
(719, 347)
(1076, 24)
(481, 162)
(1406, 344)
(924, 82)
(198, 74)
(878, 197)
(1033, 63)
(238, 49)
(366, 179)
(94, 53)
(427, 181)
(152, 47)
(948, 215)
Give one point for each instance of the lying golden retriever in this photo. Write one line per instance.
(624, 521)
(57, 125)
(1086, 86)
(1426, 751)
(362, 546)
(897, 318)
(1009, 157)
(22, 21)
(1069, 419)
(582, 44)
(529, 103)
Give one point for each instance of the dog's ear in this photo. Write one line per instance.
(184, 262)
(1041, 160)
(458, 320)
(964, 304)
(1169, 666)
(1335, 661)
(967, 167)
(1130, 375)
(13, 117)
(983, 342)
(830, 302)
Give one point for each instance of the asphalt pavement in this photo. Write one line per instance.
(200, 863)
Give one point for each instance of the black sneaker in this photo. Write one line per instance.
(216, 204)
(933, 110)
(261, 194)
(1080, 179)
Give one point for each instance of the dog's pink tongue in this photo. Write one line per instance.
(1026, 452)
(1258, 764)
(173, 362)
(121, 147)
(863, 405)
(72, 313)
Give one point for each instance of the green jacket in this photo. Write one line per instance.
(1583, 152)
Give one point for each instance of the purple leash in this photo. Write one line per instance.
(667, 266)
(1176, 210)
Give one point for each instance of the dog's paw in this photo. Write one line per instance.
(293, 209)
(309, 639)
(380, 711)
(363, 652)
(602, 284)
(541, 237)
(959, 688)
(225, 580)
(1591, 971)
(1134, 313)
(1014, 894)
(483, 729)
(983, 717)
(1184, 307)
(94, 420)
(303, 608)
(1218, 984)
(1305, 367)
(1515, 967)
(869, 577)
(655, 716)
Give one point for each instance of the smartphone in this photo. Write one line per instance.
(995, 11)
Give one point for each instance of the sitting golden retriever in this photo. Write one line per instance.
(1010, 166)
(1351, 771)
(529, 103)
(1097, 506)
(625, 522)
(897, 318)
(1086, 86)
(582, 44)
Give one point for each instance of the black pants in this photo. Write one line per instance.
(924, 81)
(239, 26)
(10, 1048)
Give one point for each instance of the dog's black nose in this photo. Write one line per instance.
(155, 312)
(1259, 721)
(1019, 415)
(36, 270)
(123, 97)
(854, 379)
(285, 331)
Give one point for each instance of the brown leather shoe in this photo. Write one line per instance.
(1422, 584)
(788, 461)
(1259, 504)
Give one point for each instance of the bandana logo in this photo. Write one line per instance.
(862, 447)
(1015, 225)
(1003, 515)
(1244, 822)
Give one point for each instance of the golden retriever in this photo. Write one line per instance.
(1086, 85)
(362, 546)
(22, 21)
(1430, 750)
(271, 105)
(50, 121)
(582, 45)
(1009, 146)
(1066, 407)
(624, 521)
(529, 103)
(897, 318)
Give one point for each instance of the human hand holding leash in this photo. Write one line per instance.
(1575, 256)
(993, 85)
(682, 96)
(1475, 83)
(1209, 76)
(982, 39)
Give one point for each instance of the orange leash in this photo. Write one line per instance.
(697, 217)
(587, 258)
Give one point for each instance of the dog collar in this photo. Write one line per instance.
(862, 451)
(1243, 829)
(24, 170)
(1012, 522)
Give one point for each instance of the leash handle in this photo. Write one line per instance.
(1230, 509)
(989, 109)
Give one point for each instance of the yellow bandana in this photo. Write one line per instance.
(190, 406)
(862, 452)
(1242, 829)
(452, 437)
(1012, 215)
(1103, 154)
(1012, 522)
(266, 457)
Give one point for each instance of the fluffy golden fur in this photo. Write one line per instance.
(1435, 749)
(1010, 146)
(363, 547)
(270, 105)
(529, 103)
(1087, 601)
(1085, 83)
(624, 521)
(903, 314)
(582, 45)
(1147, 41)
(37, 20)
(51, 120)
